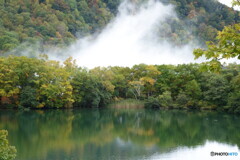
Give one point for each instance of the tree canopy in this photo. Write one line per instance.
(40, 83)
(226, 46)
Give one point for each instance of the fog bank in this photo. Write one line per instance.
(132, 38)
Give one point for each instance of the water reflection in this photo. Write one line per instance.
(198, 153)
(103, 134)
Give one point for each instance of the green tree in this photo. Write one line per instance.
(182, 100)
(89, 90)
(33, 80)
(215, 89)
(136, 88)
(8, 40)
(7, 152)
(227, 46)
(9, 80)
(234, 97)
(192, 89)
(165, 100)
(28, 97)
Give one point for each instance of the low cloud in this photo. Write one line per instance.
(131, 38)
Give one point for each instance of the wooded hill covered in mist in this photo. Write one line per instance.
(60, 22)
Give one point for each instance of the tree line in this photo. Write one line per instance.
(41, 83)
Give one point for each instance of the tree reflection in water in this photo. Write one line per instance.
(113, 134)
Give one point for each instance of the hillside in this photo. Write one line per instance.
(59, 22)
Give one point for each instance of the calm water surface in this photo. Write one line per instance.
(107, 134)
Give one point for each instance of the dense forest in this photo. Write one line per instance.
(40, 83)
(46, 23)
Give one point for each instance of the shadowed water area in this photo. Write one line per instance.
(108, 134)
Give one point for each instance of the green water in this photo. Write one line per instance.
(107, 134)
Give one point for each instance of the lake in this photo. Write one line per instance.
(133, 134)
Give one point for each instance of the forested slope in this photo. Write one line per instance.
(59, 22)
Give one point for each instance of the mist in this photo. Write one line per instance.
(131, 38)
(229, 4)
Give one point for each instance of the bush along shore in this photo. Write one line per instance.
(41, 83)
